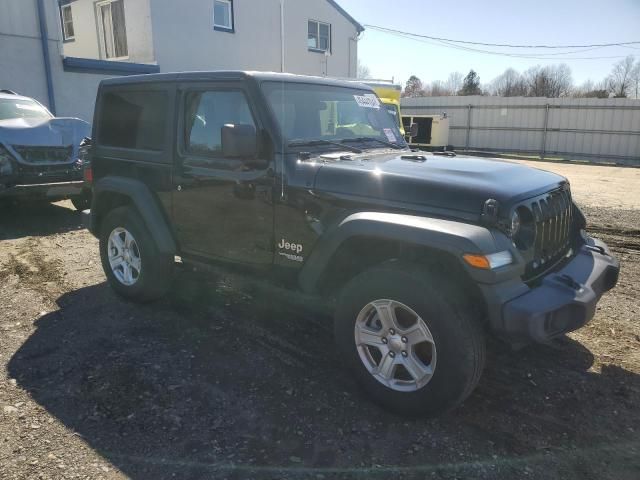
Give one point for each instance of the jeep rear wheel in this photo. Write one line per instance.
(412, 343)
(130, 258)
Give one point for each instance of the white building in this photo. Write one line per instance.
(314, 37)
(87, 40)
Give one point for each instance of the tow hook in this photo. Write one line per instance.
(569, 282)
(597, 248)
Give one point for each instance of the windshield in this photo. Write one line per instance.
(307, 112)
(21, 108)
(394, 111)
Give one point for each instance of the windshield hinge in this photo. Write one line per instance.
(490, 212)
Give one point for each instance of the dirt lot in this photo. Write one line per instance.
(229, 379)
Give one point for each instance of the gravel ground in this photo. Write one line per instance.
(230, 378)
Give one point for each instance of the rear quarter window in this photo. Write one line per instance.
(133, 119)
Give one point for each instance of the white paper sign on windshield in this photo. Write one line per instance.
(390, 135)
(367, 101)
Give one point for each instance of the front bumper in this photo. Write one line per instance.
(565, 300)
(50, 191)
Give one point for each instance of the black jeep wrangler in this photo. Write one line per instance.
(309, 181)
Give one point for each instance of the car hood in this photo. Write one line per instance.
(53, 132)
(445, 183)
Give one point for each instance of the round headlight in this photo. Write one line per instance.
(515, 224)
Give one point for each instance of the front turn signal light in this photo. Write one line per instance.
(489, 262)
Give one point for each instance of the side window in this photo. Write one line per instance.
(319, 36)
(206, 113)
(67, 23)
(223, 15)
(112, 29)
(134, 120)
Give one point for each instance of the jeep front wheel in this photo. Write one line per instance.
(130, 258)
(412, 343)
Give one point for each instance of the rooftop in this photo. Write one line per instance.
(228, 75)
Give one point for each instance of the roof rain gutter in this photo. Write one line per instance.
(44, 37)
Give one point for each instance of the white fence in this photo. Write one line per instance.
(599, 130)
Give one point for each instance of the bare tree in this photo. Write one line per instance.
(536, 80)
(363, 71)
(620, 80)
(438, 88)
(413, 88)
(635, 81)
(561, 80)
(509, 84)
(591, 90)
(551, 81)
(454, 83)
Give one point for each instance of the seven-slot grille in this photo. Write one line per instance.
(44, 154)
(552, 214)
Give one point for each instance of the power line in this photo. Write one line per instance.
(531, 55)
(390, 30)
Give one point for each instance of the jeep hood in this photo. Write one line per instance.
(460, 183)
(52, 132)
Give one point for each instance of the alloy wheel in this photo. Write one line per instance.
(395, 345)
(124, 256)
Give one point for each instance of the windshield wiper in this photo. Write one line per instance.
(395, 146)
(311, 143)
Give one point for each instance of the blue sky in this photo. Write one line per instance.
(557, 22)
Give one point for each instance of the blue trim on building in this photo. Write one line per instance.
(44, 38)
(88, 65)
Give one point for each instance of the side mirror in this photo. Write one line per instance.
(239, 141)
(413, 130)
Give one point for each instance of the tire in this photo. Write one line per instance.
(153, 277)
(81, 202)
(456, 353)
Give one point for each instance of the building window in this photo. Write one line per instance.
(319, 38)
(67, 23)
(223, 15)
(112, 29)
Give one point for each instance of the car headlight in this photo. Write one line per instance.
(5, 162)
(489, 262)
(514, 228)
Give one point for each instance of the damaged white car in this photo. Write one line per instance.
(40, 155)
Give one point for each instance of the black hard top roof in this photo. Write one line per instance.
(228, 75)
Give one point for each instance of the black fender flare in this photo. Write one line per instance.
(456, 238)
(144, 201)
